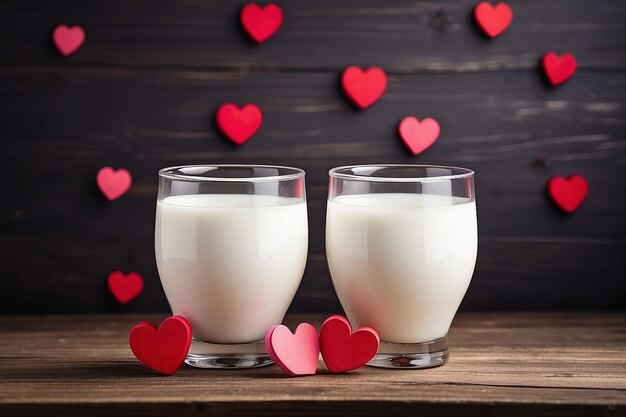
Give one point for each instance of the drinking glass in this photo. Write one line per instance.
(231, 245)
(401, 243)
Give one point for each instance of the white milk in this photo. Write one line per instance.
(231, 264)
(401, 263)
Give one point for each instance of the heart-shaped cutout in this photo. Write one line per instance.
(568, 193)
(364, 87)
(239, 124)
(295, 353)
(261, 23)
(493, 20)
(125, 287)
(418, 136)
(344, 350)
(68, 39)
(162, 349)
(558, 69)
(113, 184)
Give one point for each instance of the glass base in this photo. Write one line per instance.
(227, 356)
(411, 355)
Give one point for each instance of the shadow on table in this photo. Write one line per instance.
(135, 370)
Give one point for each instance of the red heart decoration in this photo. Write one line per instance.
(162, 350)
(239, 124)
(569, 193)
(418, 136)
(125, 287)
(261, 23)
(68, 40)
(364, 87)
(493, 20)
(558, 69)
(344, 350)
(113, 184)
(296, 354)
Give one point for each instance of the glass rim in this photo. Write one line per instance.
(295, 174)
(464, 173)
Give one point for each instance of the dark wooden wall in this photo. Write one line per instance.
(142, 91)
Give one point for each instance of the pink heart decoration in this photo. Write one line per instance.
(163, 349)
(364, 88)
(493, 20)
(295, 354)
(344, 350)
(113, 184)
(261, 23)
(418, 136)
(125, 287)
(558, 69)
(239, 124)
(568, 193)
(68, 40)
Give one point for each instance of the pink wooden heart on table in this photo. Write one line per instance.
(364, 87)
(344, 350)
(568, 193)
(418, 136)
(493, 20)
(113, 184)
(558, 69)
(162, 349)
(239, 124)
(295, 353)
(261, 23)
(125, 287)
(68, 39)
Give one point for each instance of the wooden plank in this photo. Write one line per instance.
(399, 35)
(510, 128)
(527, 364)
(64, 274)
(311, 408)
(515, 136)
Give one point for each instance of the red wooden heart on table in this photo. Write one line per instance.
(239, 124)
(113, 184)
(163, 349)
(364, 87)
(344, 350)
(493, 20)
(418, 136)
(125, 287)
(297, 353)
(261, 23)
(68, 39)
(568, 193)
(558, 69)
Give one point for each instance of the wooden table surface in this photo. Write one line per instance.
(504, 364)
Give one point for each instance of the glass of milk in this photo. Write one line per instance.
(231, 244)
(401, 242)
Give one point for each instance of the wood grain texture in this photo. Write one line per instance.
(144, 120)
(517, 364)
(142, 93)
(403, 36)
